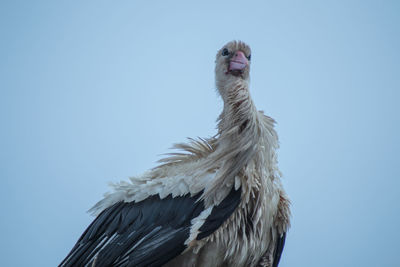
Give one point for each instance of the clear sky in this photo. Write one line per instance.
(95, 91)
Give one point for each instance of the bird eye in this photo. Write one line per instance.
(225, 52)
(249, 57)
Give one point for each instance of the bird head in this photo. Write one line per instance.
(232, 63)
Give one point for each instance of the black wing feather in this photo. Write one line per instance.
(220, 213)
(278, 250)
(147, 233)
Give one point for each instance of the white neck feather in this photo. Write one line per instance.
(244, 136)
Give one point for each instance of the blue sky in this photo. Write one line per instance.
(95, 91)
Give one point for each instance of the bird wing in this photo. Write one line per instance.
(147, 233)
(272, 256)
(278, 233)
(279, 249)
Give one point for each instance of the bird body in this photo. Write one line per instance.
(217, 202)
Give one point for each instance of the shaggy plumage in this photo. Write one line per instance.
(218, 202)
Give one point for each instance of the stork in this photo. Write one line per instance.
(217, 202)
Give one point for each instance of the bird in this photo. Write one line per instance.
(216, 201)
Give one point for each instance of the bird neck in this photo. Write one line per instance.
(238, 136)
(246, 144)
(246, 141)
(239, 111)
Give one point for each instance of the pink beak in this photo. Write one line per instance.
(238, 62)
